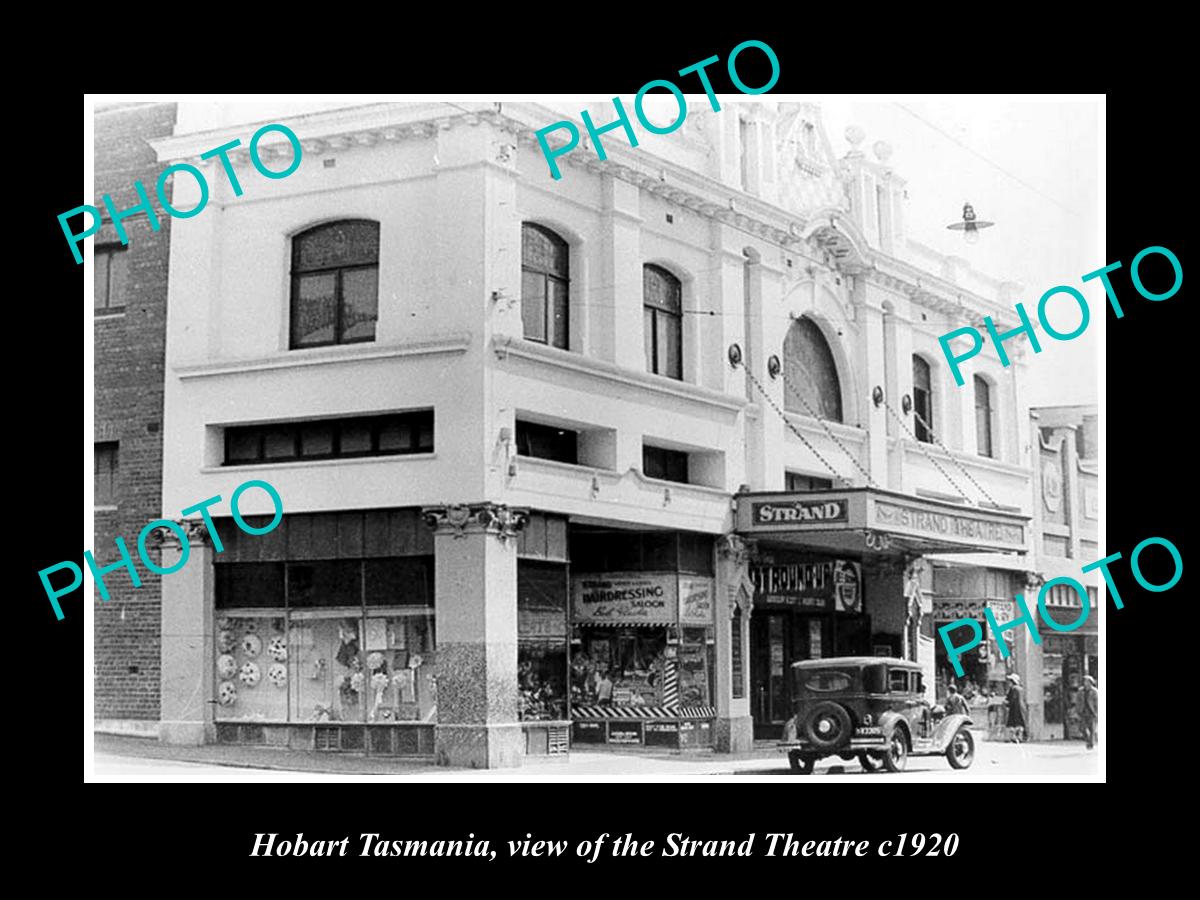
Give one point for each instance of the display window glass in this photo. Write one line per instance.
(251, 681)
(542, 641)
(695, 663)
(619, 667)
(332, 652)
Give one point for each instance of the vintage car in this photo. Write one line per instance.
(871, 707)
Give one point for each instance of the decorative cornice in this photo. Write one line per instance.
(461, 519)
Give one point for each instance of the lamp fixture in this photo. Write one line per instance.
(970, 224)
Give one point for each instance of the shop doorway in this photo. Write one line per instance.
(779, 638)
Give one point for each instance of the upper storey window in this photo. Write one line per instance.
(922, 400)
(662, 299)
(812, 384)
(545, 286)
(335, 284)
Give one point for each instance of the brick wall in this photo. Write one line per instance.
(130, 349)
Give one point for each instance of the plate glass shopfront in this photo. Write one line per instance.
(642, 656)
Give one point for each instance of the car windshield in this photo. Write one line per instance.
(898, 681)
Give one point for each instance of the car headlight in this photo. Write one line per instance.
(867, 720)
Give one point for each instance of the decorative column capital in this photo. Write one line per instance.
(194, 530)
(1034, 581)
(461, 519)
(736, 548)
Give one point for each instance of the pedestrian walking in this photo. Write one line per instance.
(1091, 710)
(955, 704)
(1015, 700)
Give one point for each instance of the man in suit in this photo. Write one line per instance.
(1090, 709)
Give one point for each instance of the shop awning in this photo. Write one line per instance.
(870, 520)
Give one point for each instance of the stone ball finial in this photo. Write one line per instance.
(883, 151)
(855, 135)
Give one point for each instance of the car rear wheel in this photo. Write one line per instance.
(868, 762)
(896, 755)
(828, 725)
(961, 752)
(801, 763)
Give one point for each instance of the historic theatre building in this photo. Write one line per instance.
(574, 463)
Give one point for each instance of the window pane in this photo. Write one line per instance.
(316, 439)
(648, 332)
(314, 312)
(811, 381)
(425, 433)
(356, 437)
(559, 311)
(242, 585)
(533, 305)
(543, 251)
(360, 304)
(661, 289)
(325, 583)
(395, 435)
(118, 278)
(670, 346)
(105, 492)
(402, 581)
(337, 244)
(279, 443)
(101, 289)
(242, 445)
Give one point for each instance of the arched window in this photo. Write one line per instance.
(922, 400)
(335, 284)
(810, 372)
(545, 284)
(662, 299)
(983, 417)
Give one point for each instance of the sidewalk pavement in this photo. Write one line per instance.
(129, 759)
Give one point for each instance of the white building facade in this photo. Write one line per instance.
(566, 462)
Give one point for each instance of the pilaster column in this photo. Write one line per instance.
(187, 636)
(734, 727)
(476, 603)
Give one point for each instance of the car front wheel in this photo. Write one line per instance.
(801, 763)
(961, 752)
(896, 755)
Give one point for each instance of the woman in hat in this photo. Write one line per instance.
(1015, 700)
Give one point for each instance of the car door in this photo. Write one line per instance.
(920, 715)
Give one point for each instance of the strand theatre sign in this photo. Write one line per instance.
(910, 523)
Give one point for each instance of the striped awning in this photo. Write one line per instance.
(662, 624)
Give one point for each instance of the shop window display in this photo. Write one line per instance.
(344, 647)
(620, 667)
(542, 641)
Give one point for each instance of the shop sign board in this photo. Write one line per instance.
(820, 585)
(695, 601)
(541, 623)
(796, 512)
(629, 598)
(927, 520)
(624, 732)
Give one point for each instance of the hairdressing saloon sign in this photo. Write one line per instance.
(639, 598)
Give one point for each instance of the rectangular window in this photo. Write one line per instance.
(547, 442)
(111, 271)
(793, 481)
(668, 465)
(106, 473)
(326, 640)
(983, 417)
(389, 435)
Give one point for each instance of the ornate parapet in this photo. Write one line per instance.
(461, 519)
